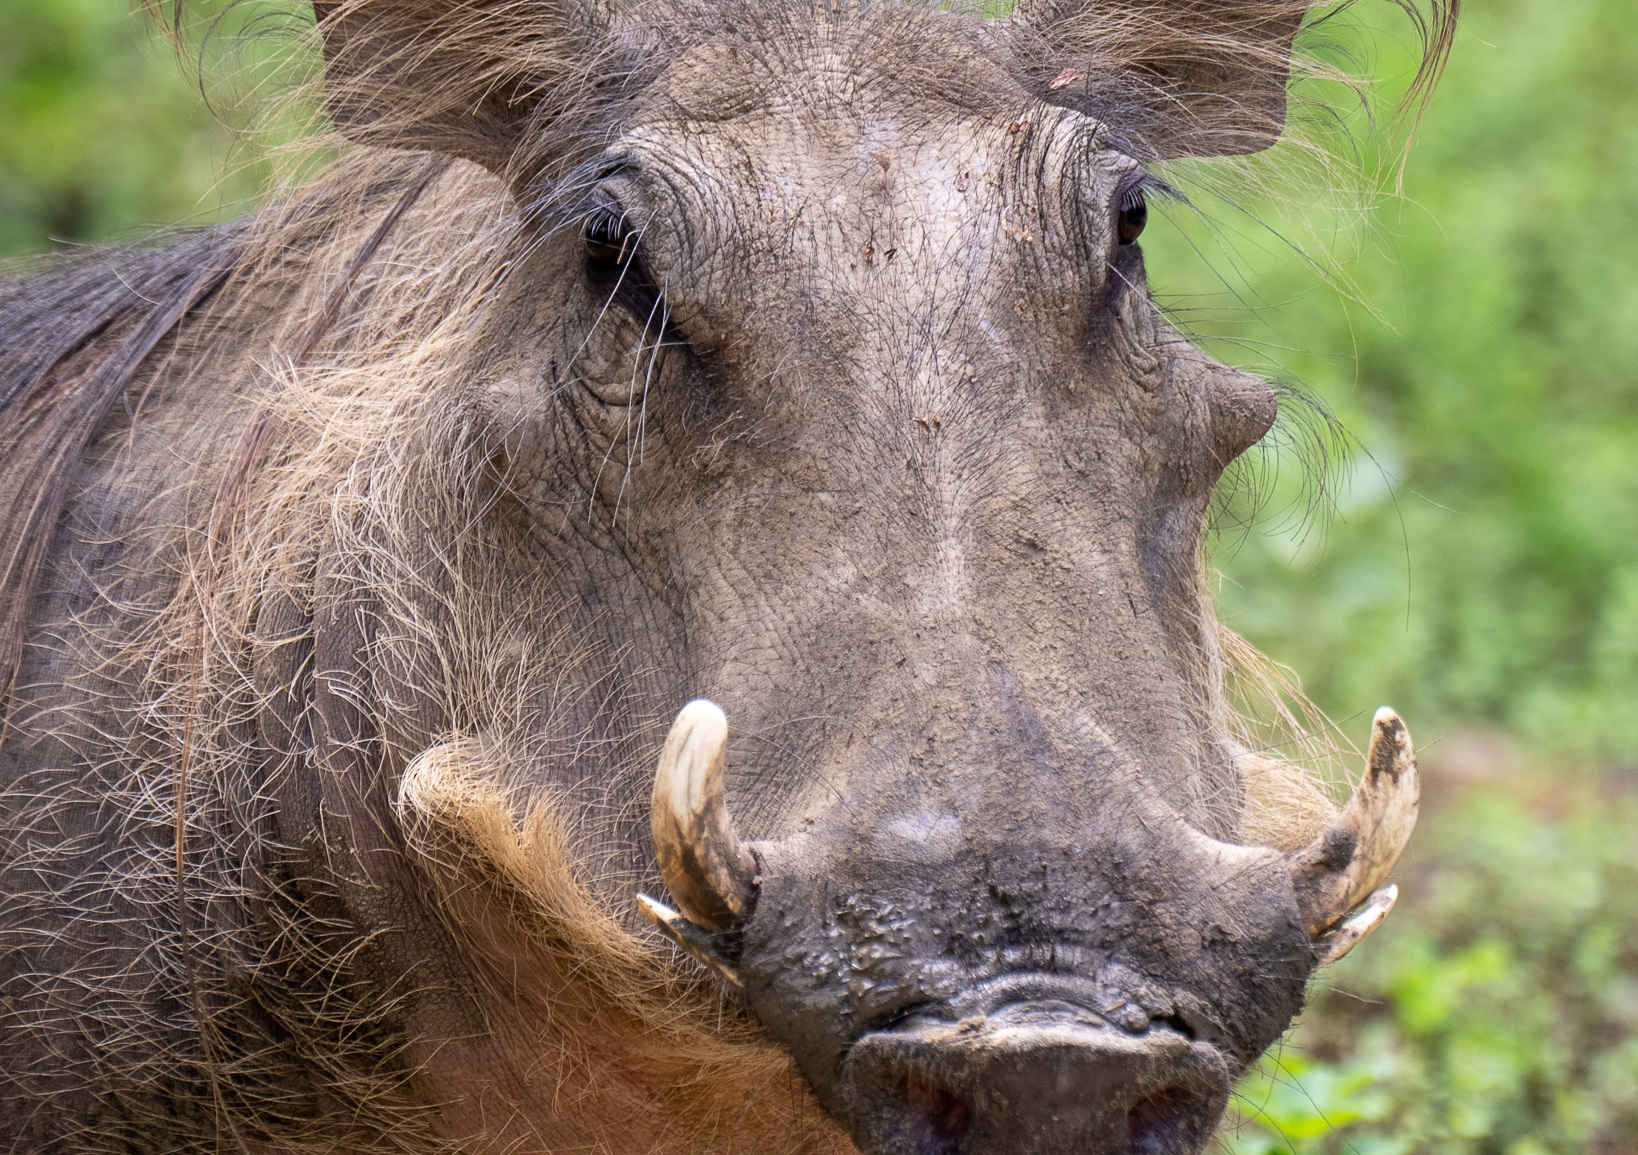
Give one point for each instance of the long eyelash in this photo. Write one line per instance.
(601, 217)
(1147, 187)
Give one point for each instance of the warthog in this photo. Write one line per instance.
(791, 361)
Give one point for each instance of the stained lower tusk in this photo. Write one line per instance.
(697, 942)
(1353, 858)
(1329, 948)
(712, 877)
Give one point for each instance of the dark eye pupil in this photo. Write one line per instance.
(1132, 218)
(607, 243)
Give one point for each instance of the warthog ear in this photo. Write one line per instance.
(461, 77)
(1181, 78)
(1188, 77)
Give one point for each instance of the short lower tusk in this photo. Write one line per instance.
(1351, 860)
(695, 941)
(712, 877)
(1329, 948)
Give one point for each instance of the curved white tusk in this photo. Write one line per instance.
(1329, 948)
(1352, 859)
(712, 877)
(696, 942)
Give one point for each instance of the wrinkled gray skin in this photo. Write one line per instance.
(948, 566)
(926, 500)
(917, 498)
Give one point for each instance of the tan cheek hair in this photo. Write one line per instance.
(1284, 806)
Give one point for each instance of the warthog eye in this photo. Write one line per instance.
(608, 241)
(617, 268)
(1133, 215)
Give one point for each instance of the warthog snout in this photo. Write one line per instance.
(1026, 1065)
(962, 965)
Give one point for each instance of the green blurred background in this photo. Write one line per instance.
(1469, 553)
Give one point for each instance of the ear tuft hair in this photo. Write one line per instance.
(1189, 77)
(467, 78)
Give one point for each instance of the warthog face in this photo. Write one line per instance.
(927, 483)
(897, 462)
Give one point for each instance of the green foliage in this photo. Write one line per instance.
(105, 133)
(1483, 563)
(1496, 1013)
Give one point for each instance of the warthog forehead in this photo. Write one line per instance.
(808, 62)
(879, 207)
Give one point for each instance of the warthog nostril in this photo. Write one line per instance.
(1036, 1077)
(945, 1114)
(1153, 1123)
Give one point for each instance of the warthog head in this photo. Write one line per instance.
(792, 367)
(890, 456)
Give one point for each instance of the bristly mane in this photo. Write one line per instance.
(73, 340)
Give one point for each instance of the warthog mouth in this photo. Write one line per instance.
(1025, 1063)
